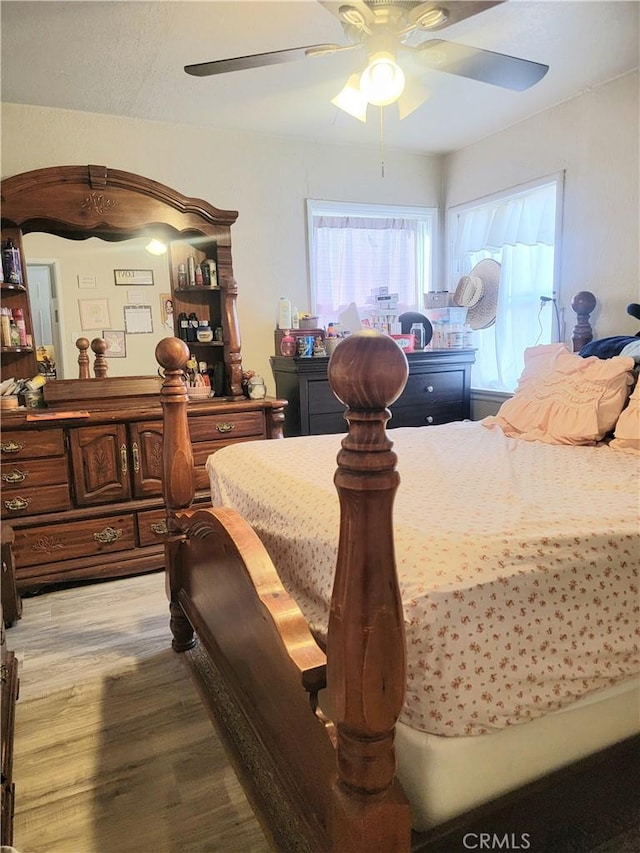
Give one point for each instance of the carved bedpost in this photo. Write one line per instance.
(83, 358)
(231, 328)
(178, 485)
(366, 652)
(100, 363)
(583, 304)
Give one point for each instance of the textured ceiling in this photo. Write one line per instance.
(127, 58)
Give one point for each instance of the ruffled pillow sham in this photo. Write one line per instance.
(563, 398)
(627, 431)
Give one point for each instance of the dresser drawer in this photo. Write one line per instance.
(32, 472)
(427, 414)
(32, 501)
(442, 386)
(322, 400)
(328, 423)
(152, 526)
(226, 425)
(31, 444)
(104, 535)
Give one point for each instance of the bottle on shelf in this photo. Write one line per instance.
(182, 275)
(14, 334)
(417, 330)
(192, 329)
(205, 332)
(11, 266)
(198, 276)
(22, 328)
(295, 318)
(284, 313)
(5, 327)
(213, 273)
(183, 326)
(191, 271)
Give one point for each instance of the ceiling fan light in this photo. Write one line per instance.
(351, 100)
(156, 247)
(432, 18)
(382, 81)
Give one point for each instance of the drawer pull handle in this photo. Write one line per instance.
(15, 476)
(225, 426)
(109, 534)
(123, 458)
(17, 503)
(160, 528)
(429, 419)
(429, 389)
(136, 457)
(11, 446)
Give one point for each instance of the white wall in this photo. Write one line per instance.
(266, 179)
(594, 139)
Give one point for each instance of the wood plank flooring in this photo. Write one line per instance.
(113, 750)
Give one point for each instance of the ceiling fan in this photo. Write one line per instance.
(385, 28)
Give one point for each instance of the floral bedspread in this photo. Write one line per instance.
(517, 562)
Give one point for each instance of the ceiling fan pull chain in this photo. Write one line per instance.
(382, 141)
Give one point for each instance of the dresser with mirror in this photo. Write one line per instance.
(81, 477)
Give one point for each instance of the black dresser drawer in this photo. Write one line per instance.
(426, 415)
(321, 398)
(442, 386)
(331, 422)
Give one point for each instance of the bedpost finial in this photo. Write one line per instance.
(368, 370)
(172, 354)
(583, 302)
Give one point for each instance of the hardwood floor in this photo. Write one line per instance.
(113, 750)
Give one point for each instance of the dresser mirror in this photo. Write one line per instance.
(73, 293)
(86, 227)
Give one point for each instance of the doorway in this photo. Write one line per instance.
(45, 311)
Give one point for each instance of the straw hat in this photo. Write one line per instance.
(478, 293)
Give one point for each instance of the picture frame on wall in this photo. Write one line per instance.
(94, 313)
(166, 310)
(133, 278)
(138, 319)
(116, 341)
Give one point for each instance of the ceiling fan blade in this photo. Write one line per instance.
(499, 69)
(257, 60)
(425, 16)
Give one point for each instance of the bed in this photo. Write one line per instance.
(510, 577)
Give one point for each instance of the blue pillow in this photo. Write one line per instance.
(606, 347)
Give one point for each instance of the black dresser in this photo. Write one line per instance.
(438, 390)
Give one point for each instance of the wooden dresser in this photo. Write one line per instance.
(84, 493)
(438, 390)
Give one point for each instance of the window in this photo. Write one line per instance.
(519, 229)
(354, 248)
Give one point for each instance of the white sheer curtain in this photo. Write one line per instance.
(351, 255)
(518, 231)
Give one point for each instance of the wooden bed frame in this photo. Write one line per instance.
(318, 785)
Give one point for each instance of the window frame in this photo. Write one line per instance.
(426, 274)
(455, 270)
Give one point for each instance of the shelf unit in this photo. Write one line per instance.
(17, 362)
